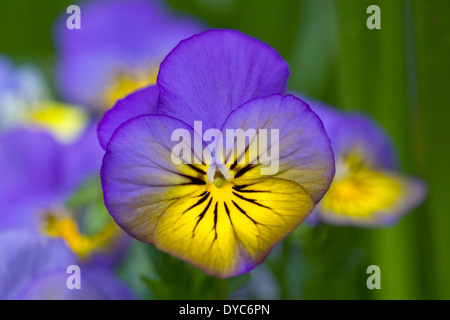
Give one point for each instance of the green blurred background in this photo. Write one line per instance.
(399, 75)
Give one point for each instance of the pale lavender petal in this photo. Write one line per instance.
(304, 150)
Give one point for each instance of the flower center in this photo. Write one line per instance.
(218, 173)
(64, 121)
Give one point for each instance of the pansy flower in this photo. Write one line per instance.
(48, 150)
(168, 182)
(40, 176)
(117, 50)
(368, 189)
(34, 267)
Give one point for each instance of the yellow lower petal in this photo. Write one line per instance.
(229, 230)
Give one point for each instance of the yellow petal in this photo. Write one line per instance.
(369, 197)
(64, 121)
(229, 230)
(83, 245)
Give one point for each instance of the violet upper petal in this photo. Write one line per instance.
(209, 75)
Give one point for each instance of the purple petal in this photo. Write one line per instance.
(7, 75)
(361, 132)
(305, 154)
(76, 81)
(313, 219)
(138, 103)
(27, 209)
(30, 161)
(39, 173)
(139, 177)
(208, 75)
(97, 284)
(350, 130)
(34, 160)
(35, 267)
(24, 256)
(82, 159)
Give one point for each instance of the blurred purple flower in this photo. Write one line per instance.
(368, 188)
(47, 151)
(39, 177)
(117, 50)
(34, 267)
(223, 217)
